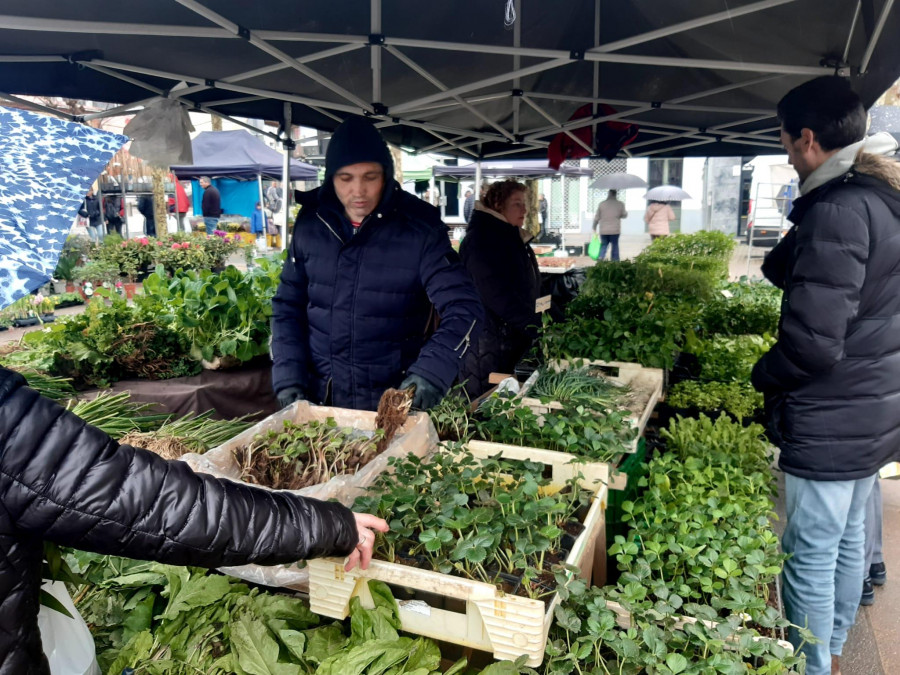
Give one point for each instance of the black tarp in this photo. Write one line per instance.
(238, 154)
(739, 64)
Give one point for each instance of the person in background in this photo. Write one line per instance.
(112, 212)
(258, 221)
(91, 210)
(831, 382)
(875, 570)
(505, 272)
(468, 205)
(66, 482)
(608, 223)
(657, 217)
(273, 232)
(273, 197)
(145, 208)
(369, 265)
(211, 205)
(542, 212)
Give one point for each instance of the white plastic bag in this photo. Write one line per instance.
(67, 642)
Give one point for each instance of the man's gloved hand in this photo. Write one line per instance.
(290, 395)
(426, 395)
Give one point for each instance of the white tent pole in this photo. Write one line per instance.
(286, 187)
(17, 58)
(517, 64)
(550, 119)
(220, 84)
(262, 204)
(481, 84)
(511, 152)
(264, 46)
(851, 31)
(535, 134)
(870, 48)
(36, 106)
(440, 85)
(727, 15)
(671, 105)
(375, 50)
(675, 147)
(477, 188)
(440, 108)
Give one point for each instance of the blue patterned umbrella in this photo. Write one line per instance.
(46, 168)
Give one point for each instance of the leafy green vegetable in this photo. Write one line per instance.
(737, 398)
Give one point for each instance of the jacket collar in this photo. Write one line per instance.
(843, 160)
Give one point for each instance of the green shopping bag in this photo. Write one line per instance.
(594, 248)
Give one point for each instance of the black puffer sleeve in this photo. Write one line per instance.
(70, 483)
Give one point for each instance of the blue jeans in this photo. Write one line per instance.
(605, 241)
(211, 224)
(94, 232)
(823, 577)
(874, 517)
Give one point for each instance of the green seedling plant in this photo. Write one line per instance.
(739, 399)
(603, 436)
(577, 386)
(459, 515)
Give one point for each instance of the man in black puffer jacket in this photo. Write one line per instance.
(832, 381)
(66, 482)
(368, 265)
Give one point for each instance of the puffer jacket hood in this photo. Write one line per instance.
(832, 380)
(64, 481)
(357, 140)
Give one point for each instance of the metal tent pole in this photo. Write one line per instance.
(286, 189)
(262, 204)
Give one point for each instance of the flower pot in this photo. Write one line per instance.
(130, 289)
(70, 287)
(59, 287)
(47, 318)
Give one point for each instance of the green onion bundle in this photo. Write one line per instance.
(576, 386)
(116, 414)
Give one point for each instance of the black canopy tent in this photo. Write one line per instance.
(700, 78)
(512, 169)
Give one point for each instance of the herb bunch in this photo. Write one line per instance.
(300, 455)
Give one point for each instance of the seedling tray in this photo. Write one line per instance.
(416, 436)
(463, 611)
(624, 620)
(646, 385)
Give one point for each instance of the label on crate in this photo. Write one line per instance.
(417, 606)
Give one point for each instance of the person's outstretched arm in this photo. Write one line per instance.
(64, 481)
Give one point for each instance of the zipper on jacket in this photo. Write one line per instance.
(466, 340)
(319, 216)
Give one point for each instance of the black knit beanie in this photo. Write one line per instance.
(357, 140)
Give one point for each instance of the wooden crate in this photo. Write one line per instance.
(646, 383)
(416, 436)
(505, 625)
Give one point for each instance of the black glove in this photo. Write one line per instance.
(290, 395)
(426, 394)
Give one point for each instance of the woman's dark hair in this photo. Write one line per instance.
(828, 107)
(498, 193)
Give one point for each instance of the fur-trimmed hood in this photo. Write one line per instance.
(882, 167)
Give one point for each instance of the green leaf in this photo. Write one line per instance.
(197, 592)
(50, 601)
(256, 649)
(323, 642)
(676, 662)
(136, 651)
(295, 641)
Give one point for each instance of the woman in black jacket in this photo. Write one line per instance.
(64, 481)
(506, 275)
